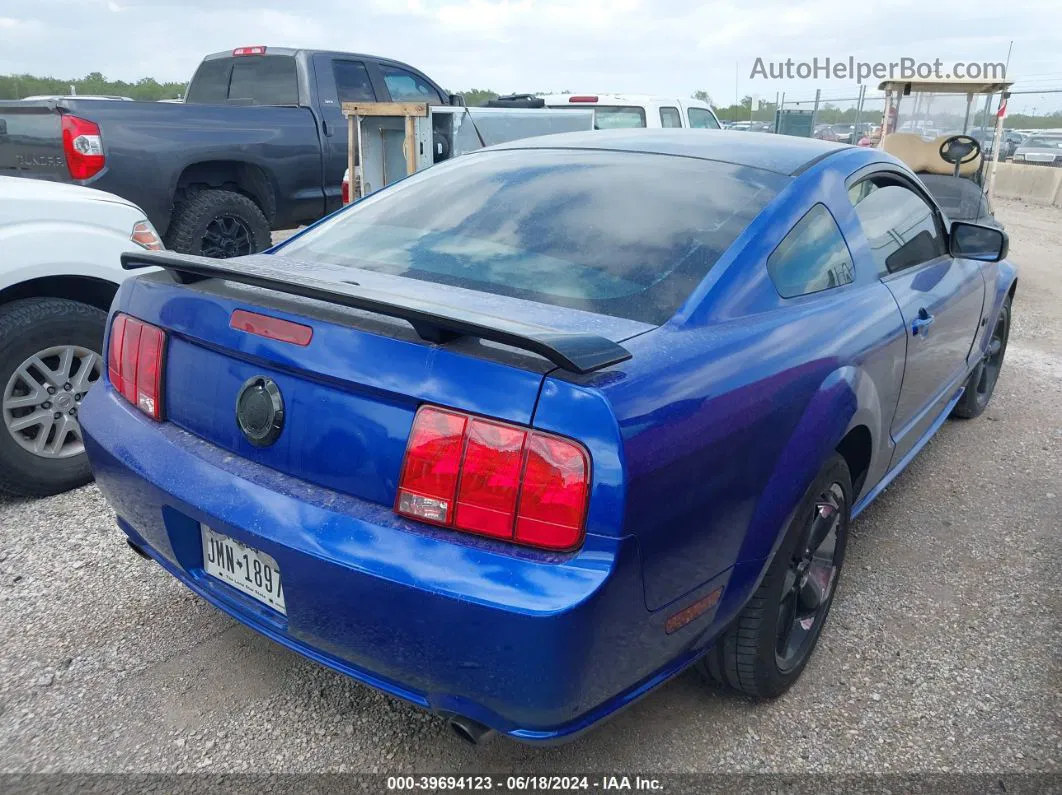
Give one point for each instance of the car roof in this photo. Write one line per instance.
(782, 154)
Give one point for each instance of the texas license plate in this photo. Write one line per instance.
(246, 569)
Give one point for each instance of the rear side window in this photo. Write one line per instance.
(407, 87)
(900, 225)
(701, 119)
(669, 117)
(264, 80)
(560, 227)
(812, 257)
(352, 82)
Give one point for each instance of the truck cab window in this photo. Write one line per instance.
(669, 117)
(407, 87)
(352, 82)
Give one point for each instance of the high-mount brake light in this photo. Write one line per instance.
(257, 49)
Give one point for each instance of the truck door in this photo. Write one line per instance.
(941, 299)
(339, 80)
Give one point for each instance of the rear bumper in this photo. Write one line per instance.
(535, 647)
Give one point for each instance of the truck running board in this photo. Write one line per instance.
(574, 352)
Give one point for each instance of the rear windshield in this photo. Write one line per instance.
(617, 233)
(246, 80)
(612, 117)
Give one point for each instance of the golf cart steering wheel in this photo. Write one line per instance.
(958, 150)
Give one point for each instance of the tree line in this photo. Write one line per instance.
(149, 89)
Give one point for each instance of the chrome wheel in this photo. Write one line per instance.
(810, 579)
(42, 397)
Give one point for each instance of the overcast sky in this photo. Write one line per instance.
(654, 46)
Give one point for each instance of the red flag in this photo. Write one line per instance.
(1002, 112)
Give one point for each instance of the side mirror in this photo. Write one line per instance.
(457, 100)
(977, 242)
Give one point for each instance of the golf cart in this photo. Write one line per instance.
(936, 127)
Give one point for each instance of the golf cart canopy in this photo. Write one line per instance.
(949, 86)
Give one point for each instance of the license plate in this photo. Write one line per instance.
(1040, 158)
(246, 569)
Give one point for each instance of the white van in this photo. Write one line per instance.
(613, 111)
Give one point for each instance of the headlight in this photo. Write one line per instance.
(144, 234)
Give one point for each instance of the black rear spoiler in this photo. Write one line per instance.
(575, 352)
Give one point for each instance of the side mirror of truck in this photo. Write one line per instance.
(457, 100)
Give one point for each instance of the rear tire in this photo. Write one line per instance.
(45, 327)
(982, 381)
(218, 223)
(764, 651)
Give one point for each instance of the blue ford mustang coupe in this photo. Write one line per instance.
(526, 434)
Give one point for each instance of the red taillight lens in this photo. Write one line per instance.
(433, 459)
(135, 361)
(583, 98)
(83, 147)
(346, 191)
(553, 498)
(494, 479)
(490, 479)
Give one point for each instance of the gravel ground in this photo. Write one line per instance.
(942, 654)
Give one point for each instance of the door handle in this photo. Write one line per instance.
(325, 129)
(921, 324)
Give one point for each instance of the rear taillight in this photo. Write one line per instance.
(83, 147)
(494, 479)
(346, 190)
(134, 363)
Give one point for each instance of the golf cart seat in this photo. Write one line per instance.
(923, 156)
(960, 199)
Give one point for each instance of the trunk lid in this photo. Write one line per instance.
(350, 394)
(31, 141)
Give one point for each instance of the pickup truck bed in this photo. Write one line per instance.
(259, 143)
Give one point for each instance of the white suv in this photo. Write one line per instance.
(639, 110)
(59, 269)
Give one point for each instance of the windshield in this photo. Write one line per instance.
(618, 233)
(931, 115)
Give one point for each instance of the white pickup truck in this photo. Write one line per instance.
(59, 270)
(639, 110)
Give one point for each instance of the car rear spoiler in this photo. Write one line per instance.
(575, 352)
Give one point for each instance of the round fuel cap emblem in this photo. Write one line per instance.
(260, 411)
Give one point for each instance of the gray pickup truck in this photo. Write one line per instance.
(259, 143)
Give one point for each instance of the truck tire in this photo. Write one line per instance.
(218, 223)
(49, 357)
